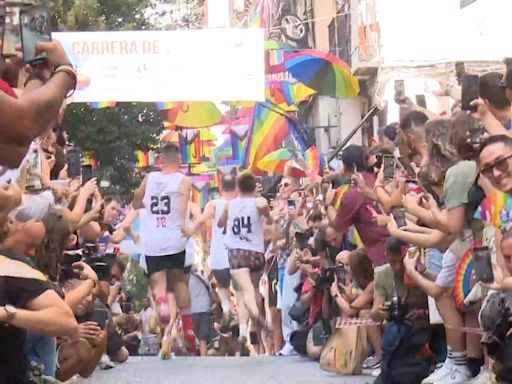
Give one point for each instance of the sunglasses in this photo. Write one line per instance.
(284, 185)
(501, 166)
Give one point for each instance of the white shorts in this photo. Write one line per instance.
(446, 277)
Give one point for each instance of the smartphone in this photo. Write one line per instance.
(36, 164)
(421, 101)
(470, 91)
(102, 270)
(292, 204)
(86, 173)
(71, 258)
(302, 240)
(100, 316)
(12, 31)
(475, 131)
(399, 215)
(318, 336)
(409, 170)
(483, 264)
(74, 162)
(399, 91)
(68, 273)
(35, 27)
(389, 167)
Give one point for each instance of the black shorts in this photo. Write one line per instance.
(222, 276)
(161, 263)
(202, 325)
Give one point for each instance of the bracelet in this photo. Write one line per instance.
(71, 73)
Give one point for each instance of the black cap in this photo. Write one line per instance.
(354, 158)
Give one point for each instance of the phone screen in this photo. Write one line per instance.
(292, 204)
(74, 159)
(399, 215)
(483, 264)
(409, 170)
(389, 167)
(100, 316)
(399, 90)
(86, 173)
(35, 27)
(421, 101)
(470, 91)
(12, 33)
(476, 131)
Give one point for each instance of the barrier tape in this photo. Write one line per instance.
(369, 322)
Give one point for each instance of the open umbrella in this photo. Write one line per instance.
(276, 44)
(197, 114)
(322, 71)
(275, 162)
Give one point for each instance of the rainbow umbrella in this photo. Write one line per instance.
(196, 114)
(275, 162)
(322, 71)
(276, 44)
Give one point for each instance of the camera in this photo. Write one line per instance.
(397, 309)
(97, 263)
(327, 276)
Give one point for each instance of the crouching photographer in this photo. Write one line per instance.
(405, 354)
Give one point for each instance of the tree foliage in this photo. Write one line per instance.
(112, 134)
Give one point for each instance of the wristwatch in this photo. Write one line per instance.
(11, 312)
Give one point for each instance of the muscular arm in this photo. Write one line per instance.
(47, 314)
(138, 195)
(264, 210)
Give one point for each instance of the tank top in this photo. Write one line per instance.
(218, 251)
(245, 227)
(160, 232)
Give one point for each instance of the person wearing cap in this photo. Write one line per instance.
(357, 209)
(389, 134)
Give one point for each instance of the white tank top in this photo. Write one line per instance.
(245, 227)
(161, 222)
(218, 251)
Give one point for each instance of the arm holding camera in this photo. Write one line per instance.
(489, 121)
(426, 239)
(89, 284)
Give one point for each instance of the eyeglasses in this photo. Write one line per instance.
(284, 185)
(501, 166)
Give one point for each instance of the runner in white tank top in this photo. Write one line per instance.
(243, 219)
(164, 197)
(219, 261)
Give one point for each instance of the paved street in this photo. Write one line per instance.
(216, 370)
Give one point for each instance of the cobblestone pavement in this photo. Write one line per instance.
(218, 370)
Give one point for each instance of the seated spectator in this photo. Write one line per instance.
(405, 355)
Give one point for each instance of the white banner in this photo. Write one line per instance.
(156, 66)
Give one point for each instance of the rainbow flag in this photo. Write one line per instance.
(164, 105)
(496, 209)
(338, 195)
(312, 159)
(190, 150)
(102, 104)
(268, 132)
(145, 159)
(259, 19)
(200, 196)
(463, 285)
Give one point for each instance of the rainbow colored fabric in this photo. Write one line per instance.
(268, 132)
(462, 286)
(102, 104)
(496, 210)
(312, 159)
(146, 159)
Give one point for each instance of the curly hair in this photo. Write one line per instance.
(361, 267)
(442, 154)
(50, 252)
